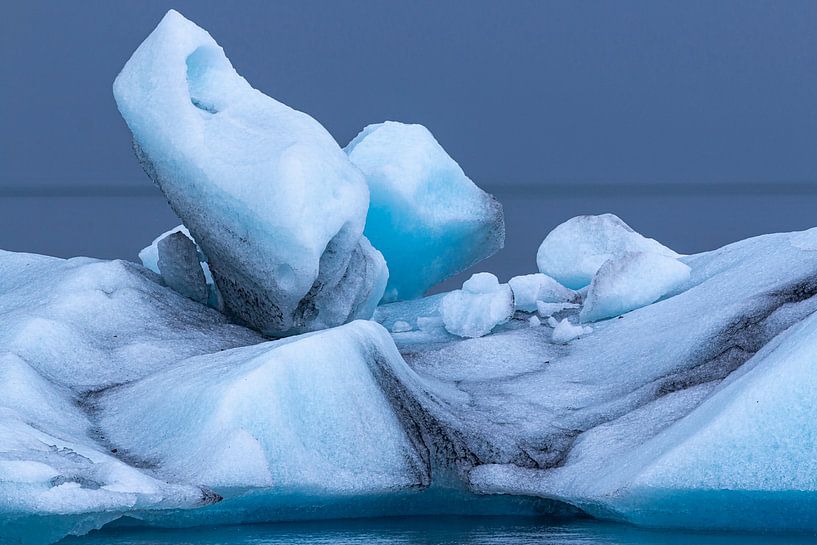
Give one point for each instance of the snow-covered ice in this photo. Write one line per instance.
(576, 249)
(266, 192)
(631, 281)
(481, 305)
(529, 289)
(426, 216)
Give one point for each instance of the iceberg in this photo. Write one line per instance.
(481, 305)
(267, 193)
(122, 395)
(577, 248)
(426, 216)
(631, 281)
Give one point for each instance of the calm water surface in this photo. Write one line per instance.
(422, 531)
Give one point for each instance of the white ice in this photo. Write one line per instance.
(576, 249)
(530, 289)
(266, 192)
(564, 331)
(426, 216)
(481, 305)
(631, 281)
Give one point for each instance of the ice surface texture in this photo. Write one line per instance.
(266, 192)
(576, 249)
(426, 216)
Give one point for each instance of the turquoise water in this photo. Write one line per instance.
(427, 531)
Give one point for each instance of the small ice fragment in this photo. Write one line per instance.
(564, 332)
(534, 321)
(530, 288)
(552, 322)
(401, 326)
(481, 304)
(549, 309)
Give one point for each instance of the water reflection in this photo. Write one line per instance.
(427, 531)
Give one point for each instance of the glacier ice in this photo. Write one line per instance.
(631, 281)
(481, 305)
(529, 289)
(575, 249)
(249, 176)
(301, 414)
(121, 395)
(426, 216)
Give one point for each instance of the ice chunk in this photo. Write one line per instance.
(529, 289)
(481, 304)
(426, 216)
(631, 281)
(150, 259)
(301, 415)
(534, 321)
(576, 249)
(564, 331)
(181, 268)
(266, 192)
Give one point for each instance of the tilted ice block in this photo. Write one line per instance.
(528, 289)
(185, 283)
(574, 250)
(482, 304)
(426, 216)
(266, 192)
(306, 414)
(180, 266)
(631, 281)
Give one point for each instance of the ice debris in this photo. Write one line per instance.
(481, 304)
(426, 216)
(576, 249)
(266, 192)
(564, 331)
(631, 281)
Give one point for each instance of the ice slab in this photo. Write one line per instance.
(183, 268)
(481, 305)
(631, 281)
(426, 216)
(266, 192)
(577, 248)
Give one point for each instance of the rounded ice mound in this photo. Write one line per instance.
(530, 289)
(574, 250)
(265, 190)
(481, 305)
(631, 281)
(426, 216)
